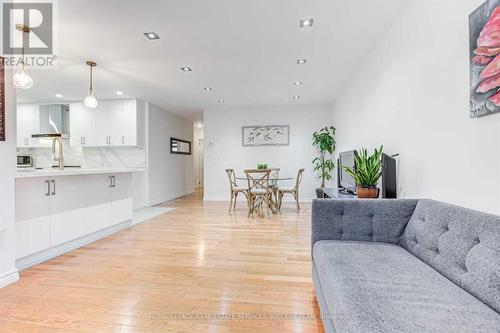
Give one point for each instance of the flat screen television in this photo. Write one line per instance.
(346, 182)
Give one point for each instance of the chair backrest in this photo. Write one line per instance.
(274, 175)
(232, 178)
(299, 178)
(257, 178)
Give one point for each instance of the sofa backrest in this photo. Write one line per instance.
(461, 244)
(361, 220)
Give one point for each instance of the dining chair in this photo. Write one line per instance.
(235, 189)
(293, 190)
(259, 191)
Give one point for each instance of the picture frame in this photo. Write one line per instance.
(268, 135)
(179, 146)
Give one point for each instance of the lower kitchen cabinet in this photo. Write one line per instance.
(57, 210)
(67, 209)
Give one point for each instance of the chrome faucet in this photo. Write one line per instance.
(57, 152)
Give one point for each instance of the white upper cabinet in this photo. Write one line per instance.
(82, 125)
(112, 123)
(28, 123)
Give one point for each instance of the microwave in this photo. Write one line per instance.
(24, 161)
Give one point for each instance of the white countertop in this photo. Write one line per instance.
(73, 172)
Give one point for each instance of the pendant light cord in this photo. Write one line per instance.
(91, 88)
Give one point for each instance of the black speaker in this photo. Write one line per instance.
(389, 175)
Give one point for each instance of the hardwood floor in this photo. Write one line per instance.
(195, 269)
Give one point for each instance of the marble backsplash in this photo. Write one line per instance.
(90, 157)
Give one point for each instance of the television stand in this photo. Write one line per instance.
(336, 193)
(346, 191)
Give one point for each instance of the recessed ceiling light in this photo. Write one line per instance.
(119, 93)
(151, 35)
(220, 101)
(186, 69)
(59, 95)
(296, 97)
(301, 61)
(207, 89)
(298, 83)
(306, 23)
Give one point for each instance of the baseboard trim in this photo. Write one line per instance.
(168, 198)
(50, 253)
(9, 277)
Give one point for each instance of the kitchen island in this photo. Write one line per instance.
(60, 210)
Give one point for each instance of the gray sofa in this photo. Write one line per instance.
(405, 266)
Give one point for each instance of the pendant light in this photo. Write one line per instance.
(90, 101)
(22, 79)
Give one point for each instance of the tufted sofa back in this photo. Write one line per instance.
(461, 244)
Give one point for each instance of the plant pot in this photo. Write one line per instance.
(320, 193)
(367, 192)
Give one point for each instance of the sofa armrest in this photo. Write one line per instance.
(360, 220)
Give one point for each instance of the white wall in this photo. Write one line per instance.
(223, 129)
(8, 271)
(169, 175)
(412, 95)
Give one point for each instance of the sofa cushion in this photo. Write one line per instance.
(377, 287)
(461, 244)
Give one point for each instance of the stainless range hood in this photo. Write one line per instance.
(54, 121)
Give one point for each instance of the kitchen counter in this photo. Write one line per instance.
(73, 172)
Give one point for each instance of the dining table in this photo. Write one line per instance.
(273, 181)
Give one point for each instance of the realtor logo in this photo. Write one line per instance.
(36, 45)
(37, 16)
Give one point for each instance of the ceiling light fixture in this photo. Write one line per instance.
(298, 83)
(186, 69)
(90, 101)
(59, 96)
(220, 101)
(296, 97)
(119, 93)
(301, 61)
(306, 23)
(207, 89)
(151, 35)
(22, 79)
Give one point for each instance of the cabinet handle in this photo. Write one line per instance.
(114, 181)
(110, 181)
(123, 139)
(81, 140)
(53, 187)
(84, 140)
(110, 140)
(48, 188)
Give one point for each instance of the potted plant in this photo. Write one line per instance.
(261, 166)
(367, 172)
(324, 142)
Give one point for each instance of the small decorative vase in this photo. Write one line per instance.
(367, 192)
(320, 193)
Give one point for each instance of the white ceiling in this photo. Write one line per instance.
(246, 50)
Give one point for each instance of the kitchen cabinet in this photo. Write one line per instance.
(97, 201)
(113, 123)
(121, 198)
(32, 215)
(82, 126)
(67, 209)
(51, 211)
(28, 123)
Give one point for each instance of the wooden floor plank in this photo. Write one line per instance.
(195, 269)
